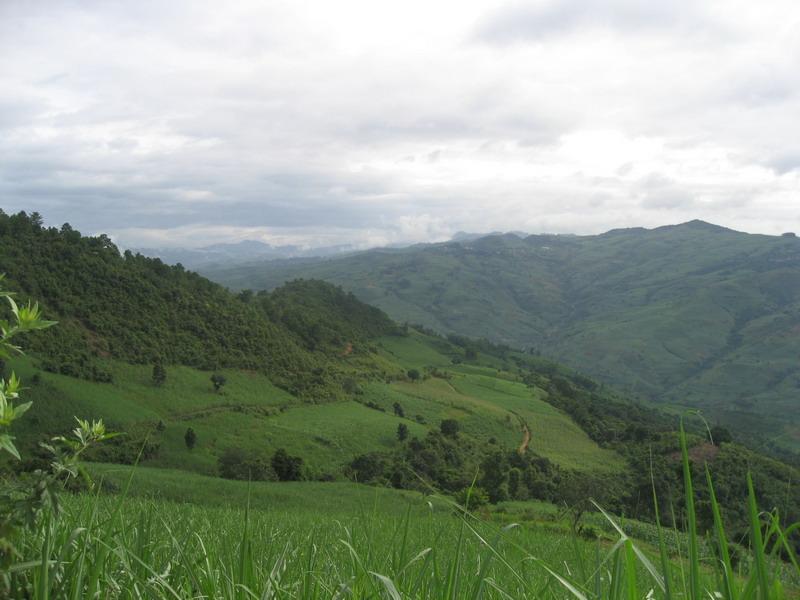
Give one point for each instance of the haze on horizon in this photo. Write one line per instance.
(364, 123)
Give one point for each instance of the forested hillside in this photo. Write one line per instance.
(136, 309)
(307, 382)
(690, 315)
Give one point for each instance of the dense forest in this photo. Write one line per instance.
(140, 310)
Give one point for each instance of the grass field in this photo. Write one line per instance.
(163, 549)
(252, 414)
(488, 403)
(693, 315)
(172, 534)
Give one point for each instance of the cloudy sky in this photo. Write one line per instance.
(189, 123)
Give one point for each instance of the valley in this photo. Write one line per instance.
(686, 316)
(303, 414)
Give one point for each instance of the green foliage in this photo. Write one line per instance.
(554, 432)
(140, 310)
(218, 380)
(28, 498)
(472, 498)
(25, 499)
(24, 319)
(402, 432)
(325, 317)
(287, 467)
(190, 438)
(449, 427)
(236, 463)
(719, 435)
(159, 374)
(690, 315)
(234, 538)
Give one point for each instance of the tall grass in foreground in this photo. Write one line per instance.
(123, 547)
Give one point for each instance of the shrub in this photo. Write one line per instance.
(449, 427)
(287, 467)
(236, 463)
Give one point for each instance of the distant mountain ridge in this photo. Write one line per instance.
(692, 315)
(238, 252)
(247, 251)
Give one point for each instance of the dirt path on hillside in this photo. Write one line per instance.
(526, 435)
(526, 439)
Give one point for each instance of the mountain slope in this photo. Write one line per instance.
(308, 367)
(139, 310)
(319, 385)
(692, 315)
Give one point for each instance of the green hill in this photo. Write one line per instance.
(308, 367)
(139, 310)
(313, 384)
(690, 315)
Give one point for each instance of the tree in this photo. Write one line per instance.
(235, 463)
(413, 374)
(471, 498)
(515, 483)
(286, 467)
(402, 431)
(449, 427)
(218, 381)
(190, 437)
(494, 476)
(350, 386)
(159, 374)
(720, 435)
(398, 410)
(367, 467)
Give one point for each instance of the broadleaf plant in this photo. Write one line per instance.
(23, 498)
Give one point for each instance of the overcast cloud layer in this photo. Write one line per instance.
(189, 123)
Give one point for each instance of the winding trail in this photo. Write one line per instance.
(526, 439)
(526, 435)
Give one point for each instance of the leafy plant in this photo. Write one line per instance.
(24, 498)
(25, 319)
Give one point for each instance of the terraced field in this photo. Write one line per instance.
(252, 414)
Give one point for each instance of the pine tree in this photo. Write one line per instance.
(402, 431)
(159, 374)
(190, 437)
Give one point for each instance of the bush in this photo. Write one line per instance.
(236, 463)
(449, 427)
(472, 498)
(287, 467)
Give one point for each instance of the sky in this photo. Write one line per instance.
(188, 123)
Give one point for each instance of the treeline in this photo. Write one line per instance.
(140, 310)
(646, 438)
(448, 461)
(322, 315)
(649, 442)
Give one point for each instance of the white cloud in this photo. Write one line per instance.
(367, 122)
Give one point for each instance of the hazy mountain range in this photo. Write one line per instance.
(248, 251)
(238, 252)
(690, 315)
